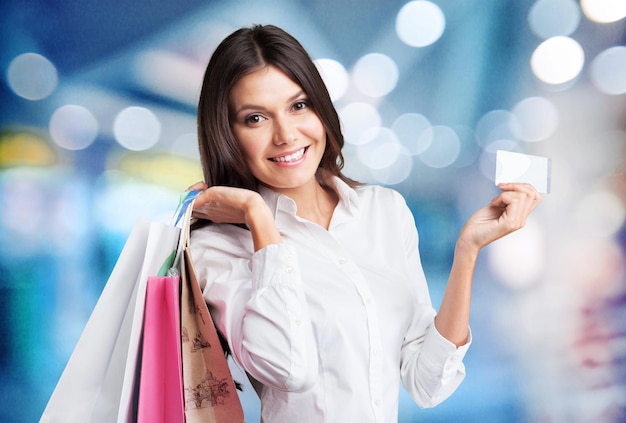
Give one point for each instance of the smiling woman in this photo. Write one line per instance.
(315, 280)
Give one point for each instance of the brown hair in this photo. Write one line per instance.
(244, 51)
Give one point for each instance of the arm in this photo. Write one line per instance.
(255, 291)
(237, 205)
(506, 213)
(434, 347)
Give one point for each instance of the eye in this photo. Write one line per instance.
(301, 105)
(253, 119)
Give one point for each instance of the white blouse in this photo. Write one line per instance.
(331, 321)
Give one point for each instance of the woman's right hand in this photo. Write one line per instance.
(221, 204)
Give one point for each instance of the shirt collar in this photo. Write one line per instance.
(283, 206)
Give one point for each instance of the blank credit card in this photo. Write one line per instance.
(518, 167)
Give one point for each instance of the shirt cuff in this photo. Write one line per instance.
(441, 355)
(275, 264)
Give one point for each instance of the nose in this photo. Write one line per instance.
(285, 131)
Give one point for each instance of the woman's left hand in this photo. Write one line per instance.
(505, 214)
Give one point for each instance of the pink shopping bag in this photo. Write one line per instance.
(160, 385)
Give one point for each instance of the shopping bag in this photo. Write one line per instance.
(97, 384)
(210, 393)
(160, 398)
(209, 389)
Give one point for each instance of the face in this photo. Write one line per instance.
(281, 136)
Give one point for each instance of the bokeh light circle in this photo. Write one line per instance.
(395, 173)
(73, 127)
(608, 71)
(444, 148)
(496, 125)
(604, 11)
(32, 76)
(357, 118)
(136, 128)
(519, 259)
(551, 18)
(557, 60)
(420, 23)
(536, 119)
(335, 77)
(380, 148)
(409, 129)
(375, 75)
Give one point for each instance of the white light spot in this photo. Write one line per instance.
(557, 60)
(604, 11)
(536, 119)
(335, 77)
(121, 200)
(357, 118)
(395, 173)
(550, 18)
(608, 71)
(496, 125)
(519, 258)
(375, 75)
(136, 128)
(379, 148)
(444, 148)
(32, 76)
(73, 127)
(409, 129)
(420, 23)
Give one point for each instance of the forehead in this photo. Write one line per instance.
(267, 83)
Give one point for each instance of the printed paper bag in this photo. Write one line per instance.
(210, 393)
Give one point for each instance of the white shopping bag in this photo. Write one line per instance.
(97, 385)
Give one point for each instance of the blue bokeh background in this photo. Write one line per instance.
(549, 307)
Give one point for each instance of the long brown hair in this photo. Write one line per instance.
(244, 51)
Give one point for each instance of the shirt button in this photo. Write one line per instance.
(368, 300)
(288, 269)
(298, 322)
(343, 260)
(377, 402)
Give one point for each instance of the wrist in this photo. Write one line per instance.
(260, 221)
(466, 249)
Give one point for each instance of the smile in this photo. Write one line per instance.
(290, 157)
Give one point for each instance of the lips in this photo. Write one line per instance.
(295, 156)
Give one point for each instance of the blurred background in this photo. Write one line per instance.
(97, 129)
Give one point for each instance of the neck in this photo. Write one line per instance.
(315, 202)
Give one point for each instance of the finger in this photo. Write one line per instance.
(515, 191)
(521, 187)
(198, 186)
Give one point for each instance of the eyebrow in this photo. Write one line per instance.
(256, 107)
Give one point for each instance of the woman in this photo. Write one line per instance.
(315, 280)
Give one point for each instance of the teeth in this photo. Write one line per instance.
(290, 158)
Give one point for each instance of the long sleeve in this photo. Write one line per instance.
(258, 303)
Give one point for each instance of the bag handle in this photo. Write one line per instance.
(183, 219)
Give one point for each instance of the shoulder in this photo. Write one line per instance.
(225, 238)
(383, 196)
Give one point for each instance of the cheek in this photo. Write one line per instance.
(315, 129)
(249, 146)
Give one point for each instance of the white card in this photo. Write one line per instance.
(518, 167)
